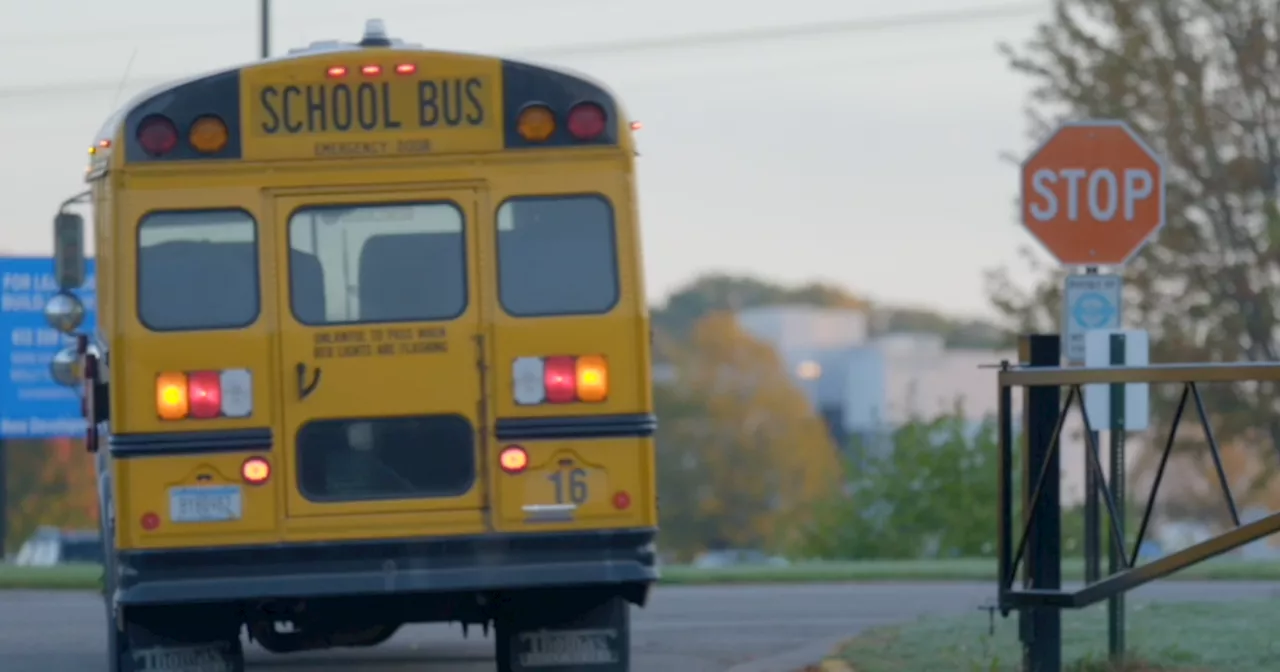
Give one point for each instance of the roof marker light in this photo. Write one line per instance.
(371, 70)
(337, 71)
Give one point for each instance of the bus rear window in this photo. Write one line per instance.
(557, 256)
(197, 270)
(377, 263)
(344, 460)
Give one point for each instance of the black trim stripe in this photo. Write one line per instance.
(190, 443)
(639, 425)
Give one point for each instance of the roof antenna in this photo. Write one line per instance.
(375, 34)
(124, 78)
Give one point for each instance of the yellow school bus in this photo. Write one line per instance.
(373, 349)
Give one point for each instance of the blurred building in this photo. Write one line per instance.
(870, 385)
(864, 387)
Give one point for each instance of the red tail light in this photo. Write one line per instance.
(586, 121)
(255, 471)
(560, 380)
(204, 395)
(513, 459)
(157, 135)
(205, 391)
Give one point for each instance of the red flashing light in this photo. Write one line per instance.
(586, 121)
(336, 71)
(406, 69)
(371, 70)
(205, 394)
(560, 379)
(157, 135)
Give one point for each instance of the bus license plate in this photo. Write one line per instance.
(205, 504)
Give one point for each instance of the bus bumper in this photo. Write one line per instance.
(387, 567)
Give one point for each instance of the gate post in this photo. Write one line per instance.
(1042, 626)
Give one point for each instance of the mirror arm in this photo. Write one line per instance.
(81, 197)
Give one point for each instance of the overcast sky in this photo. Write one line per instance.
(867, 157)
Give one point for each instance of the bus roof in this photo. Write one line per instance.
(374, 36)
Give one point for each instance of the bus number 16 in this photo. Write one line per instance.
(572, 480)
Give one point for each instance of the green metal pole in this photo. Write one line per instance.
(1115, 605)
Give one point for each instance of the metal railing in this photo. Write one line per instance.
(1037, 551)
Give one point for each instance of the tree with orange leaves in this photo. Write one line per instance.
(742, 453)
(51, 482)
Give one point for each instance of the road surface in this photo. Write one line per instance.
(691, 629)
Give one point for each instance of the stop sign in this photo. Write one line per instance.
(1093, 193)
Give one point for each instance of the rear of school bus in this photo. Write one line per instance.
(378, 353)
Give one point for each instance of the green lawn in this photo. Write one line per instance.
(1166, 636)
(63, 577)
(1221, 569)
(86, 576)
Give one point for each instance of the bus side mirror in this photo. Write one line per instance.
(68, 250)
(64, 312)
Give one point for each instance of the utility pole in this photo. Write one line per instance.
(264, 22)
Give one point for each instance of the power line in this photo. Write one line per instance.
(749, 35)
(181, 31)
(697, 40)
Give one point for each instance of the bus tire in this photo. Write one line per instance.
(547, 636)
(140, 644)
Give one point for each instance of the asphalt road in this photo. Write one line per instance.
(702, 629)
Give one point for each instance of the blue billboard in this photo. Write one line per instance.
(32, 405)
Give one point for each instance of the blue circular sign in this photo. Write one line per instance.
(1093, 310)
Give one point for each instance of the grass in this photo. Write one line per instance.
(86, 577)
(62, 577)
(975, 569)
(1163, 637)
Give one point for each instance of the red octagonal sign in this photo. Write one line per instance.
(1093, 193)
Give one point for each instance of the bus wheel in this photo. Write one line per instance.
(158, 640)
(551, 636)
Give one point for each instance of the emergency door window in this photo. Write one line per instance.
(360, 459)
(399, 262)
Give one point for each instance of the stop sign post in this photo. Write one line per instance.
(1093, 194)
